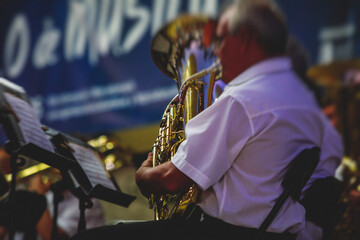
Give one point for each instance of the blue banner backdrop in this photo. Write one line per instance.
(86, 64)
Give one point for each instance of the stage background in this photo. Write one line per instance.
(87, 68)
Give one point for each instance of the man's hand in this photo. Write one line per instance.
(148, 163)
(141, 175)
(161, 179)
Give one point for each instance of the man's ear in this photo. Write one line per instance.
(246, 39)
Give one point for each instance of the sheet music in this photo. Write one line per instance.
(89, 160)
(29, 124)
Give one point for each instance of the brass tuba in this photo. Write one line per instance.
(178, 51)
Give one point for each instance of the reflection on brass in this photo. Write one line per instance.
(112, 153)
(191, 96)
(195, 94)
(348, 225)
(29, 171)
(48, 174)
(168, 44)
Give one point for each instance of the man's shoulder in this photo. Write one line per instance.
(278, 90)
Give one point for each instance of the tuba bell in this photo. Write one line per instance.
(179, 52)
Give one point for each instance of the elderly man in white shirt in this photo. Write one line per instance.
(238, 150)
(262, 120)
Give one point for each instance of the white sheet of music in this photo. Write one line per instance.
(89, 160)
(29, 122)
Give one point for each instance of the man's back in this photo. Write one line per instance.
(271, 119)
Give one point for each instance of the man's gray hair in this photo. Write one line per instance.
(265, 20)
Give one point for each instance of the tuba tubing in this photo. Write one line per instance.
(215, 67)
(178, 56)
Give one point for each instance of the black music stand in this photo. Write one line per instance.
(89, 171)
(94, 181)
(80, 178)
(26, 137)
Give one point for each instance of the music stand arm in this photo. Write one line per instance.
(13, 166)
(84, 203)
(57, 190)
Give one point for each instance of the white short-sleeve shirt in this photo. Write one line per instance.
(238, 149)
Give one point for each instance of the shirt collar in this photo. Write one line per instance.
(268, 66)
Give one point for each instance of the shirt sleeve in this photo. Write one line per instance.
(214, 138)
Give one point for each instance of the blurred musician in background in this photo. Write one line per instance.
(342, 111)
(348, 219)
(300, 60)
(20, 210)
(238, 150)
(4, 188)
(68, 211)
(38, 211)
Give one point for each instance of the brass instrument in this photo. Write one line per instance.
(113, 154)
(178, 52)
(24, 174)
